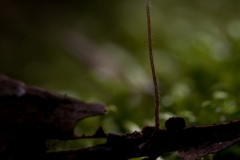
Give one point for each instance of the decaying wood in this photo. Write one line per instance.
(191, 143)
(29, 116)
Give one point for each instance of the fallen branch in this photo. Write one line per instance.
(29, 116)
(191, 143)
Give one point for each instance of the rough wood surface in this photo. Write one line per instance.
(31, 115)
(191, 142)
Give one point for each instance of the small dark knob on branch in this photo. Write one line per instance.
(175, 123)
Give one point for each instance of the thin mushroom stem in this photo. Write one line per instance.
(157, 102)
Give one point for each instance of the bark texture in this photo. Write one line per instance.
(29, 116)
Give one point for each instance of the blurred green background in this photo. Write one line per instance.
(96, 51)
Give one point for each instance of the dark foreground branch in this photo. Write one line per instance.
(191, 143)
(29, 116)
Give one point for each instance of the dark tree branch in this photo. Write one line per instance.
(29, 116)
(191, 143)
